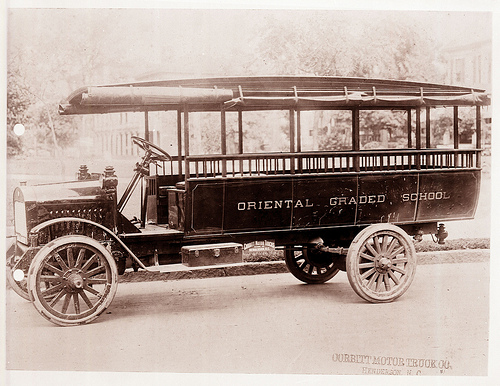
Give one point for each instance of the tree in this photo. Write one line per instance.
(17, 105)
(44, 65)
(26, 105)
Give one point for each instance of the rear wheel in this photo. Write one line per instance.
(381, 263)
(83, 277)
(310, 265)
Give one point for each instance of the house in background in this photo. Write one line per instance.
(469, 64)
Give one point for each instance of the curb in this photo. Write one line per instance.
(455, 256)
(270, 267)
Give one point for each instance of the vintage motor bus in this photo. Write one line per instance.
(350, 209)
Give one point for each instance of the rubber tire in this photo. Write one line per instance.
(291, 263)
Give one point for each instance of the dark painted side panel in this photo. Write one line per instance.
(324, 201)
(449, 195)
(380, 198)
(262, 204)
(207, 206)
(298, 202)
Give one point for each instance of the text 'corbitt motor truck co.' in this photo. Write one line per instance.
(350, 207)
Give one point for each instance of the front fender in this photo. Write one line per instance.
(70, 223)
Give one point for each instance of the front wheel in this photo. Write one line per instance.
(381, 263)
(83, 277)
(15, 276)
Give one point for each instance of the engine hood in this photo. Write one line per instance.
(60, 191)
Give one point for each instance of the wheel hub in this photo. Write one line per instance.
(383, 264)
(74, 280)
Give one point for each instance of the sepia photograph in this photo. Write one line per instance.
(228, 194)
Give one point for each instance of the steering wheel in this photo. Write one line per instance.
(153, 152)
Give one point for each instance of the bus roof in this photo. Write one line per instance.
(266, 93)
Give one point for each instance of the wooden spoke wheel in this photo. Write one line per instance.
(381, 263)
(12, 272)
(16, 272)
(311, 266)
(83, 277)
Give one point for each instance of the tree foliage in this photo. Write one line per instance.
(337, 44)
(17, 105)
(45, 63)
(27, 105)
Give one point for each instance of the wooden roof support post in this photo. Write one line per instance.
(223, 139)
(292, 139)
(240, 138)
(427, 127)
(187, 172)
(186, 144)
(146, 125)
(355, 137)
(418, 136)
(240, 132)
(408, 122)
(144, 197)
(456, 139)
(427, 134)
(418, 130)
(299, 133)
(478, 136)
(299, 141)
(179, 141)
